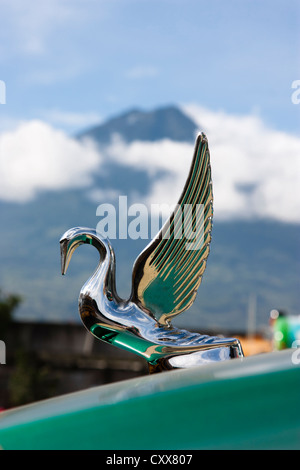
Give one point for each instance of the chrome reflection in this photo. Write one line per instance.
(165, 279)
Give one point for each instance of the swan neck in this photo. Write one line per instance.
(103, 279)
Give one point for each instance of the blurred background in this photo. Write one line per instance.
(104, 98)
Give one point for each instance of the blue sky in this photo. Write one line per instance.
(230, 65)
(74, 63)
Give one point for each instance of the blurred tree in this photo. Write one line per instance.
(8, 303)
(31, 379)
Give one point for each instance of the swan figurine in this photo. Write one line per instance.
(165, 279)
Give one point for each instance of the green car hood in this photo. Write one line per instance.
(249, 403)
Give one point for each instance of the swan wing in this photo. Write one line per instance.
(167, 274)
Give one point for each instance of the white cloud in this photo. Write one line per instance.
(244, 152)
(255, 170)
(98, 194)
(165, 155)
(72, 121)
(37, 157)
(142, 71)
(34, 23)
(46, 75)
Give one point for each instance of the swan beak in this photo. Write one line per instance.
(63, 256)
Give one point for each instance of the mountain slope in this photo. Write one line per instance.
(163, 123)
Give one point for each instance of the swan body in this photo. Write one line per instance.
(165, 279)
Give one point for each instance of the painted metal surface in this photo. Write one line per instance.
(249, 403)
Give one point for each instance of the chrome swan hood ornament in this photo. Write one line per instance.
(165, 279)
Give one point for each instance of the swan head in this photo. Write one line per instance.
(77, 236)
(70, 240)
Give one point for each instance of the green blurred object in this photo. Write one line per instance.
(249, 403)
(286, 330)
(281, 333)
